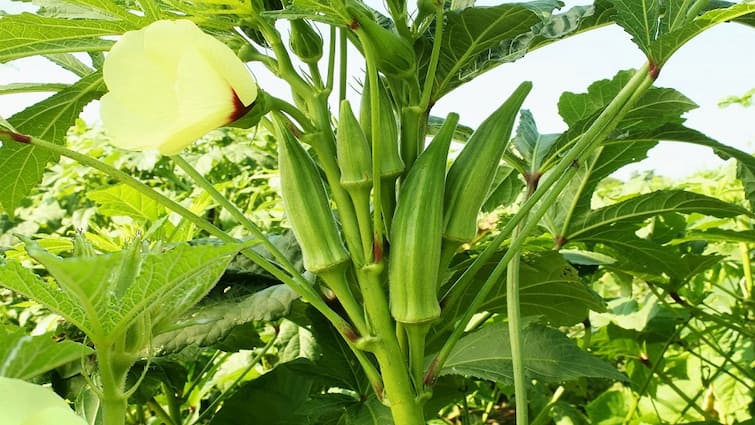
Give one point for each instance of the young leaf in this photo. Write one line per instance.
(549, 356)
(534, 147)
(50, 119)
(122, 200)
(24, 356)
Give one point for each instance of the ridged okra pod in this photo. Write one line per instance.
(473, 171)
(307, 208)
(391, 164)
(417, 231)
(352, 150)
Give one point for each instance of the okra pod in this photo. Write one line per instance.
(416, 233)
(472, 173)
(307, 208)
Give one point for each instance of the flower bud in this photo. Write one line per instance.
(394, 55)
(305, 41)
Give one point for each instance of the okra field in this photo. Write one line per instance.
(270, 223)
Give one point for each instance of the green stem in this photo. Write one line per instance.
(402, 400)
(544, 416)
(113, 370)
(427, 89)
(281, 105)
(232, 209)
(335, 278)
(160, 412)
(744, 248)
(549, 190)
(331, 60)
(360, 196)
(377, 214)
(174, 404)
(515, 337)
(342, 64)
(416, 334)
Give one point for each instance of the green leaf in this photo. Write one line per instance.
(23, 165)
(18, 278)
(210, 323)
(548, 356)
(506, 187)
(31, 87)
(667, 44)
(717, 235)
(471, 32)
(611, 407)
(169, 283)
(30, 35)
(534, 147)
(640, 18)
(635, 256)
(70, 63)
(123, 200)
(75, 9)
(747, 177)
(641, 207)
(549, 287)
(24, 356)
(273, 398)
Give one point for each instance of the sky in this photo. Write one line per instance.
(716, 64)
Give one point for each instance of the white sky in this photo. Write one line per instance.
(717, 64)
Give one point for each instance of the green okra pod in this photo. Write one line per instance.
(473, 171)
(352, 150)
(416, 233)
(391, 164)
(307, 208)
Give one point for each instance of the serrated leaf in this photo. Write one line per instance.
(549, 287)
(18, 278)
(641, 207)
(635, 256)
(123, 200)
(212, 322)
(472, 31)
(70, 63)
(30, 35)
(102, 9)
(717, 235)
(747, 176)
(31, 87)
(640, 18)
(23, 165)
(25, 356)
(169, 283)
(667, 44)
(548, 356)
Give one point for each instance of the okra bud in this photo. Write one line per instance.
(394, 55)
(416, 233)
(473, 171)
(305, 41)
(307, 208)
(352, 150)
(390, 158)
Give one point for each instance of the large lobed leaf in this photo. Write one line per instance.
(23, 165)
(640, 207)
(548, 356)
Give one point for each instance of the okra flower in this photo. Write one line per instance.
(24, 403)
(169, 84)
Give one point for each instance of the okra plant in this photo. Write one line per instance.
(383, 197)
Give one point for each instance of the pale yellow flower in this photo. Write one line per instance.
(24, 403)
(169, 84)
